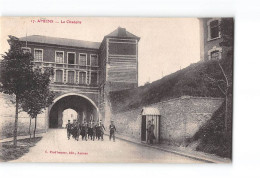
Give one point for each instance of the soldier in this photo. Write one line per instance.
(112, 129)
(84, 130)
(73, 127)
(96, 131)
(150, 133)
(68, 126)
(91, 131)
(77, 132)
(101, 128)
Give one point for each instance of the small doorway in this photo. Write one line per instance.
(153, 115)
(143, 132)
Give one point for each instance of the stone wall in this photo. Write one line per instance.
(7, 117)
(180, 118)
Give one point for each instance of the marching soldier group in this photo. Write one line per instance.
(89, 130)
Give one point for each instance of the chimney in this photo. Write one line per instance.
(121, 32)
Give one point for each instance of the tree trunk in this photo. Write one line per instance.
(35, 125)
(15, 122)
(30, 128)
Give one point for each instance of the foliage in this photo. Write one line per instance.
(29, 85)
(16, 69)
(38, 95)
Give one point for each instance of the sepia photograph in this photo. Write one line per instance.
(116, 90)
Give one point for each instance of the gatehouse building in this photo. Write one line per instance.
(85, 72)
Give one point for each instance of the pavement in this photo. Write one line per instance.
(55, 147)
(182, 151)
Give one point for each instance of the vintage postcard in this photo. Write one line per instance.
(116, 89)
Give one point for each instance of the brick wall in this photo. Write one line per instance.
(180, 118)
(49, 51)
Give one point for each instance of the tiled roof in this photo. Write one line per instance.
(61, 41)
(122, 32)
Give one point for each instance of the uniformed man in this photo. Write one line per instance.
(112, 129)
(68, 126)
(150, 133)
(77, 128)
(84, 130)
(91, 130)
(101, 129)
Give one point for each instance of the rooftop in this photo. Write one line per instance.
(118, 33)
(122, 32)
(61, 41)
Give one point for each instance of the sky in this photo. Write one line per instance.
(166, 44)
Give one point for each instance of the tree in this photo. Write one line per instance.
(16, 69)
(220, 72)
(38, 95)
(222, 79)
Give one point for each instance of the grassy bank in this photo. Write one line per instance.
(187, 81)
(9, 152)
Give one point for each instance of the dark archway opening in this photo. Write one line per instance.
(86, 111)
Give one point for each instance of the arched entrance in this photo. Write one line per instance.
(68, 114)
(85, 108)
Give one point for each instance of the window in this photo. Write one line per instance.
(213, 29)
(215, 55)
(26, 50)
(94, 78)
(38, 54)
(59, 76)
(94, 60)
(59, 57)
(83, 59)
(82, 77)
(71, 77)
(71, 58)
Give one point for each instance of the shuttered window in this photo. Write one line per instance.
(94, 78)
(82, 59)
(38, 55)
(59, 57)
(82, 77)
(94, 60)
(59, 76)
(71, 77)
